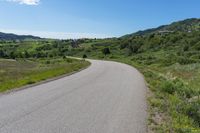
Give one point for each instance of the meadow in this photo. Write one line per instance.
(15, 73)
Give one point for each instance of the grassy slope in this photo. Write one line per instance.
(174, 101)
(170, 63)
(17, 73)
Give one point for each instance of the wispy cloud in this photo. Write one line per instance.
(27, 2)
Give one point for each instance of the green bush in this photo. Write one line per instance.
(185, 60)
(193, 111)
(168, 87)
(84, 56)
(177, 86)
(106, 51)
(30, 82)
(48, 62)
(69, 60)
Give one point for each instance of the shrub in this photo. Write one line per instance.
(47, 62)
(84, 56)
(68, 60)
(197, 46)
(185, 60)
(106, 51)
(168, 87)
(30, 82)
(186, 48)
(193, 111)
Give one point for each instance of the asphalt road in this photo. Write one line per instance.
(108, 97)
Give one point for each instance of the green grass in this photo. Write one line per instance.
(174, 99)
(169, 62)
(17, 73)
(174, 102)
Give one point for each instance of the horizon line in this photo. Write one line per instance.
(57, 35)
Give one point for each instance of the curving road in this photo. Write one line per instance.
(108, 97)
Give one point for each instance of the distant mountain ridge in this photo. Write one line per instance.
(10, 36)
(187, 25)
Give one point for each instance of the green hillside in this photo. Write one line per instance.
(6, 36)
(168, 56)
(170, 62)
(187, 25)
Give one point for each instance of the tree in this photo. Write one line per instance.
(26, 54)
(2, 54)
(124, 44)
(84, 56)
(12, 55)
(106, 51)
(186, 47)
(197, 46)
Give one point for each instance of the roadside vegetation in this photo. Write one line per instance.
(15, 73)
(168, 56)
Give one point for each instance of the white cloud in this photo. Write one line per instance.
(27, 2)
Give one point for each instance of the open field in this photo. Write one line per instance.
(20, 72)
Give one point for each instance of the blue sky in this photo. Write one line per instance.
(91, 18)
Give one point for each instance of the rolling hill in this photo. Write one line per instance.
(168, 56)
(187, 25)
(9, 36)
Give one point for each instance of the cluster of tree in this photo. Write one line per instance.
(35, 49)
(183, 45)
(40, 48)
(179, 42)
(187, 25)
